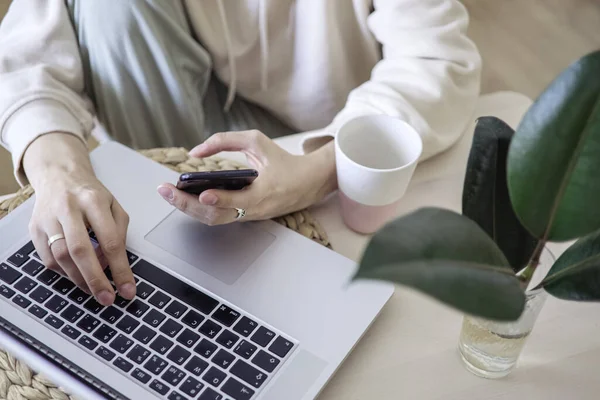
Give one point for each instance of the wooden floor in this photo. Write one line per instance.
(524, 44)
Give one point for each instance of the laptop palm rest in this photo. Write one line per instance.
(225, 252)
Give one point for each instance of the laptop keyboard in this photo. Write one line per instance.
(173, 339)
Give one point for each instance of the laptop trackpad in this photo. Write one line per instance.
(224, 252)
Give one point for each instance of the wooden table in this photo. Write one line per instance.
(410, 352)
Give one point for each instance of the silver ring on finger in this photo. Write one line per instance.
(241, 213)
(54, 238)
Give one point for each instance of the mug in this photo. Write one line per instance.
(376, 156)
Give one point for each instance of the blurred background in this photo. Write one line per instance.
(524, 44)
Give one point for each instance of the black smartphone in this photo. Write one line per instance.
(198, 182)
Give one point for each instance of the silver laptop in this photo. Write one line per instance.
(244, 311)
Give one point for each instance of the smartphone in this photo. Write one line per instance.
(198, 182)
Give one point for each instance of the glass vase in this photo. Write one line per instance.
(491, 349)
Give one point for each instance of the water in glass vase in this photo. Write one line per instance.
(487, 353)
(490, 349)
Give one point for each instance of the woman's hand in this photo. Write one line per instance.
(285, 183)
(69, 198)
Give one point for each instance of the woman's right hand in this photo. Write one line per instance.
(69, 199)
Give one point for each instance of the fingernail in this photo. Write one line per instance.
(105, 298)
(127, 290)
(209, 199)
(166, 193)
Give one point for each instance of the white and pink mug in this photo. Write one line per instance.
(375, 156)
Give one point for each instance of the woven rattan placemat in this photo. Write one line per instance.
(17, 380)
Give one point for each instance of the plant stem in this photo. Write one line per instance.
(527, 273)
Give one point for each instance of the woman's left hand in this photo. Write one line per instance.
(286, 182)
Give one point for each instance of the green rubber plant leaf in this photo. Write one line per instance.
(553, 160)
(485, 192)
(576, 274)
(449, 257)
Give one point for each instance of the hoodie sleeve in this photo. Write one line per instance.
(429, 74)
(41, 77)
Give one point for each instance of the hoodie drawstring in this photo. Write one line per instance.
(230, 56)
(263, 27)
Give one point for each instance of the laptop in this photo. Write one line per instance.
(245, 311)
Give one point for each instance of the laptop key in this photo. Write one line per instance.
(173, 376)
(281, 346)
(210, 394)
(196, 366)
(210, 328)
(191, 387)
(21, 255)
(155, 365)
(105, 353)
(140, 375)
(223, 359)
(137, 308)
(161, 345)
(248, 373)
(88, 342)
(159, 387)
(188, 338)
(104, 333)
(21, 301)
(32, 267)
(227, 339)
(176, 309)
(63, 286)
(144, 290)
(214, 376)
(178, 355)
(159, 300)
(138, 354)
(25, 285)
(245, 349)
(38, 311)
(171, 328)
(123, 364)
(40, 294)
(176, 396)
(36, 255)
(78, 296)
(48, 277)
(56, 304)
(131, 257)
(71, 332)
(225, 315)
(6, 291)
(112, 314)
(154, 318)
(237, 390)
(9, 274)
(144, 334)
(263, 336)
(127, 324)
(121, 302)
(88, 323)
(93, 306)
(175, 287)
(265, 361)
(121, 344)
(205, 348)
(72, 313)
(192, 319)
(245, 326)
(54, 321)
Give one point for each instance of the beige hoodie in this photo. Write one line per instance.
(313, 63)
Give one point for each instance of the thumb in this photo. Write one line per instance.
(244, 141)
